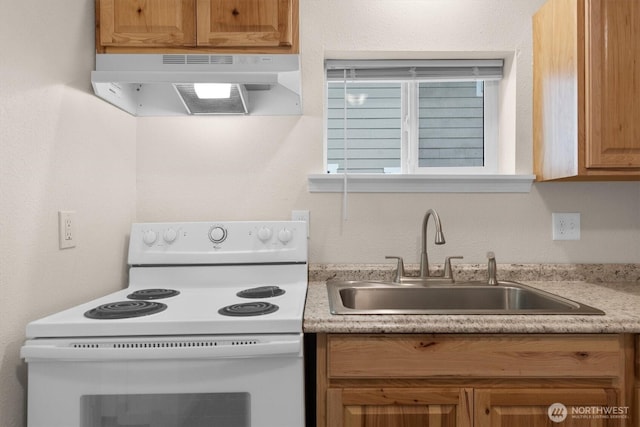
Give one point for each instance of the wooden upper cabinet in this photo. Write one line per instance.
(146, 23)
(613, 78)
(587, 90)
(197, 26)
(245, 23)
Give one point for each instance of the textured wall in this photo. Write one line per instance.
(60, 149)
(256, 167)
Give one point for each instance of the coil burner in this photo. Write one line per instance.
(257, 308)
(261, 292)
(125, 310)
(147, 294)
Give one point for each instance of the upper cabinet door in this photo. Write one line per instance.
(245, 23)
(586, 97)
(613, 84)
(146, 23)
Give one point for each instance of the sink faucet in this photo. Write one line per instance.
(439, 240)
(425, 275)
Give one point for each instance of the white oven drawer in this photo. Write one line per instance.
(169, 391)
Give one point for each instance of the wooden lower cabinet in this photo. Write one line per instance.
(636, 398)
(399, 407)
(475, 380)
(530, 407)
(466, 407)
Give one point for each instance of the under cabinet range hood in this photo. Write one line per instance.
(176, 84)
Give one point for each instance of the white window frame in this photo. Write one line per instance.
(432, 179)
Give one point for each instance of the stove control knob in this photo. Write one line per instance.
(285, 235)
(149, 237)
(217, 234)
(264, 234)
(170, 235)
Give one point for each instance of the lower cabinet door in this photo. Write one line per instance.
(596, 407)
(399, 407)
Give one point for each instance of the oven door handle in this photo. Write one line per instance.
(36, 350)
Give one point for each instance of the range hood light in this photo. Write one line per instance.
(212, 90)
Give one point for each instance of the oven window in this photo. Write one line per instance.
(166, 410)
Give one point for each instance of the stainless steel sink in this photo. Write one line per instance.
(371, 297)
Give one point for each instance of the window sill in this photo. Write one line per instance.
(374, 183)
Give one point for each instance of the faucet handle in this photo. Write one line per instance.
(448, 271)
(491, 269)
(399, 270)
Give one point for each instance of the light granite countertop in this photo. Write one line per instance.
(619, 298)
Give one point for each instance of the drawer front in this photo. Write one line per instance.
(476, 356)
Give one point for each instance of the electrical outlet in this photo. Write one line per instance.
(66, 229)
(301, 216)
(566, 226)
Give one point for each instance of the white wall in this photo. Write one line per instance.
(256, 167)
(60, 148)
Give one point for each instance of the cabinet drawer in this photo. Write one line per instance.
(474, 356)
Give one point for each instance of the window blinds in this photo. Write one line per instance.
(406, 70)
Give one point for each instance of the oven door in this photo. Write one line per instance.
(239, 381)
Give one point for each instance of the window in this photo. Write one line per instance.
(412, 117)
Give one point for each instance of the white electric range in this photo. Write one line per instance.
(208, 332)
